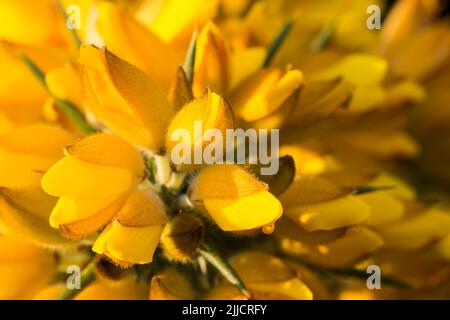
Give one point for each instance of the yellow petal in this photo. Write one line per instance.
(225, 181)
(129, 289)
(65, 83)
(180, 93)
(212, 61)
(293, 289)
(260, 267)
(309, 190)
(405, 18)
(25, 213)
(384, 208)
(141, 209)
(26, 153)
(16, 19)
(124, 98)
(76, 178)
(108, 150)
(170, 285)
(269, 277)
(264, 92)
(245, 62)
(343, 251)
(345, 211)
(78, 224)
(128, 245)
(18, 81)
(417, 231)
(358, 69)
(244, 213)
(211, 110)
(24, 268)
(170, 25)
(442, 248)
(69, 209)
(130, 40)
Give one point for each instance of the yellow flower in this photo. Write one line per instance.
(16, 19)
(173, 27)
(170, 285)
(235, 199)
(132, 41)
(24, 268)
(336, 248)
(92, 181)
(124, 98)
(212, 111)
(267, 97)
(26, 153)
(134, 235)
(128, 289)
(317, 204)
(417, 229)
(365, 72)
(266, 276)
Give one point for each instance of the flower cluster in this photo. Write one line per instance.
(92, 97)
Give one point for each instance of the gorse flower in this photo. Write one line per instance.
(93, 117)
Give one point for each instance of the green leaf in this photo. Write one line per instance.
(276, 44)
(87, 277)
(220, 263)
(189, 60)
(69, 109)
(280, 181)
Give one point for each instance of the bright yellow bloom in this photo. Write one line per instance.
(128, 289)
(24, 268)
(134, 235)
(266, 98)
(173, 27)
(235, 199)
(31, 150)
(417, 229)
(212, 111)
(132, 41)
(333, 249)
(124, 98)
(170, 285)
(16, 19)
(316, 204)
(266, 276)
(92, 181)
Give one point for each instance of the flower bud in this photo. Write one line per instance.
(182, 236)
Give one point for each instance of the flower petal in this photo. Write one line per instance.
(244, 213)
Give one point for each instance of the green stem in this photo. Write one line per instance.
(323, 38)
(69, 109)
(87, 277)
(75, 37)
(189, 60)
(220, 263)
(276, 44)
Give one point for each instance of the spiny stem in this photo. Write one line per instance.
(86, 278)
(214, 258)
(189, 60)
(69, 109)
(276, 44)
